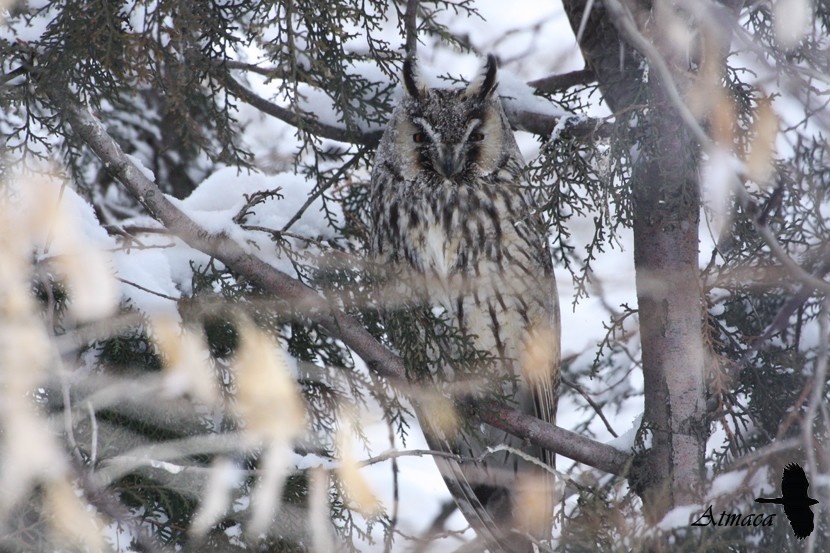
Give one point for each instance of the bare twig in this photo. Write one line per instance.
(270, 72)
(436, 529)
(788, 262)
(14, 73)
(589, 5)
(323, 187)
(774, 245)
(68, 425)
(142, 288)
(627, 25)
(592, 403)
(396, 494)
(93, 446)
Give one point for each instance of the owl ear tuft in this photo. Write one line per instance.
(484, 85)
(411, 79)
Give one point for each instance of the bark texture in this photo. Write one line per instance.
(666, 211)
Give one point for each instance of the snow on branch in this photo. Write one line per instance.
(338, 324)
(341, 134)
(524, 110)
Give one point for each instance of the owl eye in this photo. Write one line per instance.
(418, 137)
(476, 137)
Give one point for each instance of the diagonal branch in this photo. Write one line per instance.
(338, 324)
(563, 81)
(341, 134)
(594, 405)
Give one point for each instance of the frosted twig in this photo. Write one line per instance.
(116, 467)
(395, 454)
(143, 289)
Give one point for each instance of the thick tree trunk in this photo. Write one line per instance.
(666, 212)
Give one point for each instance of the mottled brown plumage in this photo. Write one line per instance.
(455, 225)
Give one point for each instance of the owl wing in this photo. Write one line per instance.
(465, 485)
(483, 259)
(510, 308)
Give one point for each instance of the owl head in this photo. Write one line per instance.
(450, 134)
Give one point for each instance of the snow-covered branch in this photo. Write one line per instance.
(519, 113)
(340, 325)
(341, 134)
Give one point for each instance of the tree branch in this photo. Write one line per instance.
(563, 442)
(766, 233)
(411, 26)
(559, 83)
(338, 324)
(615, 64)
(341, 134)
(536, 123)
(14, 73)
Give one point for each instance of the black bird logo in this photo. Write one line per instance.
(795, 500)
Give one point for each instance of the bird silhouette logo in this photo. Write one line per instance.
(795, 500)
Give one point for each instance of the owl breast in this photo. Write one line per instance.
(473, 253)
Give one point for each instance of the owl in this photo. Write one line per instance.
(455, 226)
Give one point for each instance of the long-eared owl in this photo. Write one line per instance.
(455, 224)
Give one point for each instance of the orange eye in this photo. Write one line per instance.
(418, 137)
(476, 137)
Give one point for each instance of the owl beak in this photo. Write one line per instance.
(451, 162)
